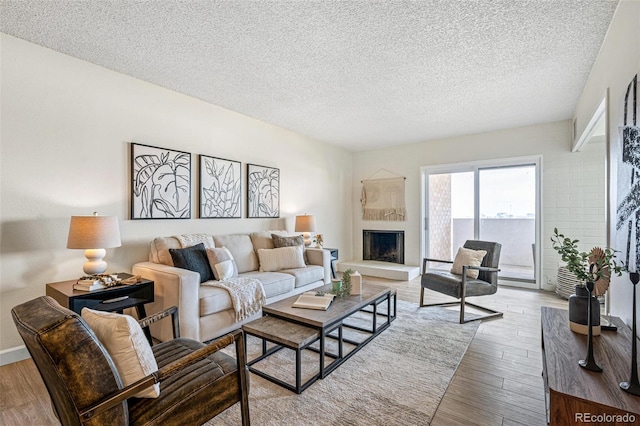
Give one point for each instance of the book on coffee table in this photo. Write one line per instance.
(313, 300)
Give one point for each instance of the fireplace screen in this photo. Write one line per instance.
(384, 246)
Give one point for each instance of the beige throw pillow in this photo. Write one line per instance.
(468, 257)
(222, 263)
(288, 241)
(281, 258)
(123, 338)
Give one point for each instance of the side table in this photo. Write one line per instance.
(126, 296)
(334, 256)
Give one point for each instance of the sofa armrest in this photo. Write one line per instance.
(173, 287)
(321, 257)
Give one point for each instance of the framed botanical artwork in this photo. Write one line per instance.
(161, 183)
(220, 188)
(263, 191)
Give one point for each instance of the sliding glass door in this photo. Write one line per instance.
(492, 202)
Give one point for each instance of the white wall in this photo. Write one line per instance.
(617, 63)
(66, 129)
(564, 175)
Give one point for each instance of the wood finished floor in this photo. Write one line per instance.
(498, 381)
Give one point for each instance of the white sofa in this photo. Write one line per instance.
(206, 312)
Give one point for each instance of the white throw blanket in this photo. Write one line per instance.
(247, 295)
(188, 240)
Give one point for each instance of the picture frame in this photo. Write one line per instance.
(263, 191)
(220, 191)
(160, 183)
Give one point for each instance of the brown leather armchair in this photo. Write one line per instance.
(197, 381)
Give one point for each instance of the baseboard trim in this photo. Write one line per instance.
(11, 355)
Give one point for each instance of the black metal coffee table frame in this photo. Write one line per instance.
(307, 331)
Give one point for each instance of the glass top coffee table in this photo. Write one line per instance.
(298, 329)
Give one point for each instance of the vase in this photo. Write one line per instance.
(578, 308)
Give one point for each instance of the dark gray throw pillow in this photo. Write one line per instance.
(279, 241)
(195, 259)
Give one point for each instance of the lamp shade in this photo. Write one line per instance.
(305, 223)
(92, 232)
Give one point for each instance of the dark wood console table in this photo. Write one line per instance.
(573, 391)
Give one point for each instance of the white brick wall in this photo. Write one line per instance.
(574, 202)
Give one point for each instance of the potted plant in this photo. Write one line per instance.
(594, 266)
(344, 289)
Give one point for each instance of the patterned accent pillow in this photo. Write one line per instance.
(468, 257)
(281, 258)
(123, 338)
(193, 258)
(280, 241)
(222, 263)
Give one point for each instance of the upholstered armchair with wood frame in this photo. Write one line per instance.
(196, 381)
(463, 285)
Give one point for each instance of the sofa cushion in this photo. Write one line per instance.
(263, 239)
(281, 258)
(123, 338)
(195, 259)
(241, 249)
(160, 246)
(214, 299)
(222, 263)
(308, 275)
(160, 250)
(274, 283)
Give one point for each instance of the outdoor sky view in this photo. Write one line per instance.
(504, 192)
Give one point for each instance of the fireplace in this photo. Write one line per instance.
(384, 246)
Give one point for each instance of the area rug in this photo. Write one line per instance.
(398, 378)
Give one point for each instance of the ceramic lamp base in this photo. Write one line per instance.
(94, 264)
(307, 238)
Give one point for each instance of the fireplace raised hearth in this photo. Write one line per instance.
(384, 246)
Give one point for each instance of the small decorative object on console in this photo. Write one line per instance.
(596, 267)
(589, 362)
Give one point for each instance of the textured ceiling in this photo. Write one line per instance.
(359, 74)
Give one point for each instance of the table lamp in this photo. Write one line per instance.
(94, 234)
(306, 224)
